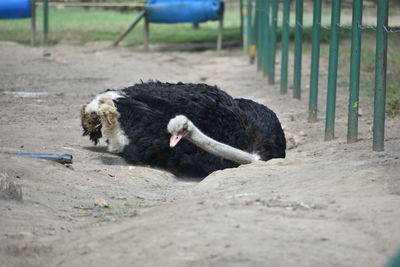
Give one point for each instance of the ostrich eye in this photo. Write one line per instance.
(185, 126)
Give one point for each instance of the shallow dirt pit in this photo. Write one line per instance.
(326, 204)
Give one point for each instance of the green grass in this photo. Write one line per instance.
(367, 75)
(79, 26)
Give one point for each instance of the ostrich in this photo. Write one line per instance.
(190, 130)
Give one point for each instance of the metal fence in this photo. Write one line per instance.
(260, 41)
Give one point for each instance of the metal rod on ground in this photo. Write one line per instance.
(146, 33)
(133, 24)
(298, 42)
(352, 126)
(45, 20)
(274, 26)
(380, 76)
(316, 33)
(267, 36)
(332, 71)
(33, 22)
(61, 158)
(285, 46)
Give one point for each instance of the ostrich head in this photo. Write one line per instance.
(179, 127)
(91, 125)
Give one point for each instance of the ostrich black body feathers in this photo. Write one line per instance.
(146, 108)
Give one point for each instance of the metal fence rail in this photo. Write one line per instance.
(260, 17)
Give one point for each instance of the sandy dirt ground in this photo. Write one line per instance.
(326, 204)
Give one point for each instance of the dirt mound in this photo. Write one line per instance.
(326, 204)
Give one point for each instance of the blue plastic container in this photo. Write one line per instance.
(15, 9)
(179, 11)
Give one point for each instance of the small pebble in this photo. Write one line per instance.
(96, 211)
(301, 133)
(100, 202)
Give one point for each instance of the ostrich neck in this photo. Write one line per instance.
(219, 149)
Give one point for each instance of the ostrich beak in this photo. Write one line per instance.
(175, 138)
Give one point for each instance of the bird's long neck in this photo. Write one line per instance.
(219, 149)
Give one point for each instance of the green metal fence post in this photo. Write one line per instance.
(250, 26)
(260, 42)
(261, 51)
(298, 42)
(245, 30)
(380, 76)
(316, 33)
(267, 36)
(45, 20)
(272, 39)
(285, 46)
(352, 125)
(258, 33)
(332, 71)
(33, 22)
(241, 21)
